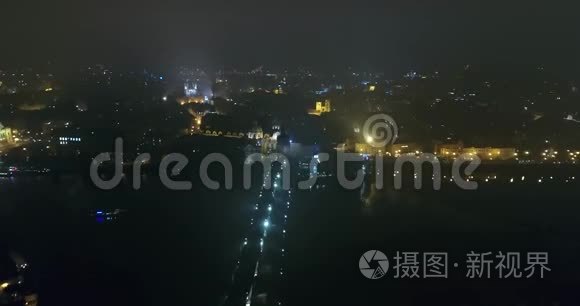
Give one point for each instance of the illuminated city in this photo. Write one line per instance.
(321, 153)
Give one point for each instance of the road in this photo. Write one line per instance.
(259, 274)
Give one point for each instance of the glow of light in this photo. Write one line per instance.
(369, 139)
(4, 285)
(266, 223)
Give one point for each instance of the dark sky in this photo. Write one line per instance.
(385, 34)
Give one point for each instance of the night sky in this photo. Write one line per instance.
(326, 34)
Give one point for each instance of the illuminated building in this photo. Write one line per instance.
(321, 107)
(6, 134)
(454, 150)
(196, 92)
(190, 89)
(365, 148)
(324, 107)
(278, 91)
(490, 153)
(449, 150)
(69, 145)
(404, 148)
(68, 140)
(188, 100)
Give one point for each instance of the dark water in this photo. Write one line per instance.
(178, 248)
(167, 248)
(333, 231)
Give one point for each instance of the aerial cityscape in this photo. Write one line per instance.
(324, 153)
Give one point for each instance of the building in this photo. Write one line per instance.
(449, 150)
(490, 153)
(198, 91)
(63, 141)
(6, 135)
(365, 148)
(404, 148)
(454, 150)
(321, 107)
(190, 89)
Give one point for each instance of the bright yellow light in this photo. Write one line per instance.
(372, 88)
(369, 139)
(4, 285)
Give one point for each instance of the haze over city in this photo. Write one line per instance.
(289, 153)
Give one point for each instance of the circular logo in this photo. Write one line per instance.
(380, 130)
(373, 264)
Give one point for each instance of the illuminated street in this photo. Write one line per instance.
(259, 274)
